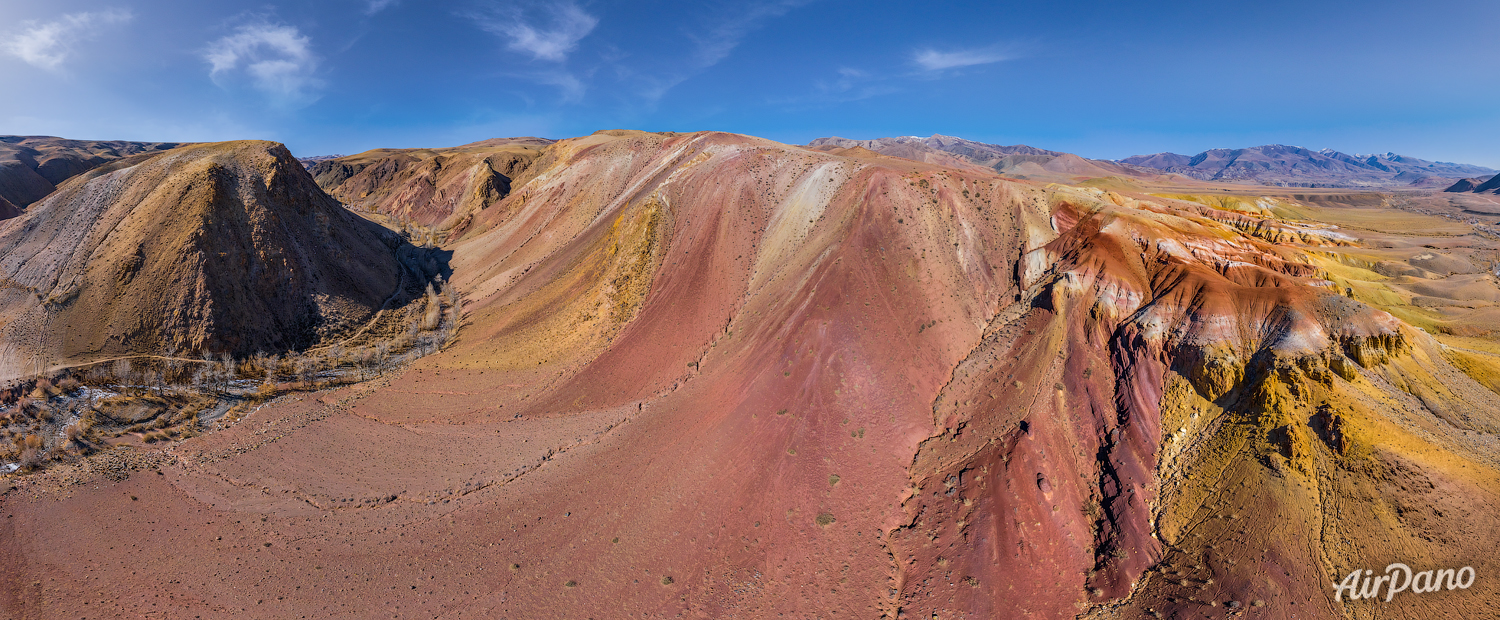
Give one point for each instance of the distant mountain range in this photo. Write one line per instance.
(1019, 161)
(1275, 164)
(1294, 166)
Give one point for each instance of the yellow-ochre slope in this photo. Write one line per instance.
(711, 375)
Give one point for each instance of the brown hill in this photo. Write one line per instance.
(1020, 161)
(33, 166)
(225, 247)
(1477, 185)
(434, 188)
(1491, 186)
(1465, 185)
(710, 375)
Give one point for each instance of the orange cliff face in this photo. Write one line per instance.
(713, 375)
(1167, 425)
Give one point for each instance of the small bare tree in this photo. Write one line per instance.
(307, 371)
(434, 312)
(273, 368)
(202, 380)
(225, 372)
(259, 362)
(123, 372)
(382, 356)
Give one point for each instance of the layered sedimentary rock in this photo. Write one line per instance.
(225, 247)
(33, 166)
(1072, 373)
(435, 188)
(711, 375)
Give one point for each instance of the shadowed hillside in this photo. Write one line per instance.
(710, 375)
(217, 248)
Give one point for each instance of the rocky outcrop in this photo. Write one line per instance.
(1087, 369)
(1155, 363)
(432, 188)
(747, 379)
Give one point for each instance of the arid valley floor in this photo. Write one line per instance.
(706, 375)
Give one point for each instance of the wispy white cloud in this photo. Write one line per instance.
(848, 78)
(723, 37)
(571, 87)
(46, 45)
(724, 33)
(375, 6)
(277, 58)
(934, 60)
(849, 84)
(552, 38)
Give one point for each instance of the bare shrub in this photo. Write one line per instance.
(97, 374)
(260, 363)
(152, 378)
(78, 431)
(336, 355)
(306, 369)
(362, 359)
(69, 385)
(434, 312)
(31, 459)
(455, 298)
(410, 337)
(382, 356)
(171, 370)
(123, 372)
(227, 371)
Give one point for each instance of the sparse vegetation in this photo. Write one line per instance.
(154, 399)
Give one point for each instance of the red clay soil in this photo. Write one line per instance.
(713, 376)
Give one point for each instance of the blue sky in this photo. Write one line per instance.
(1102, 79)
